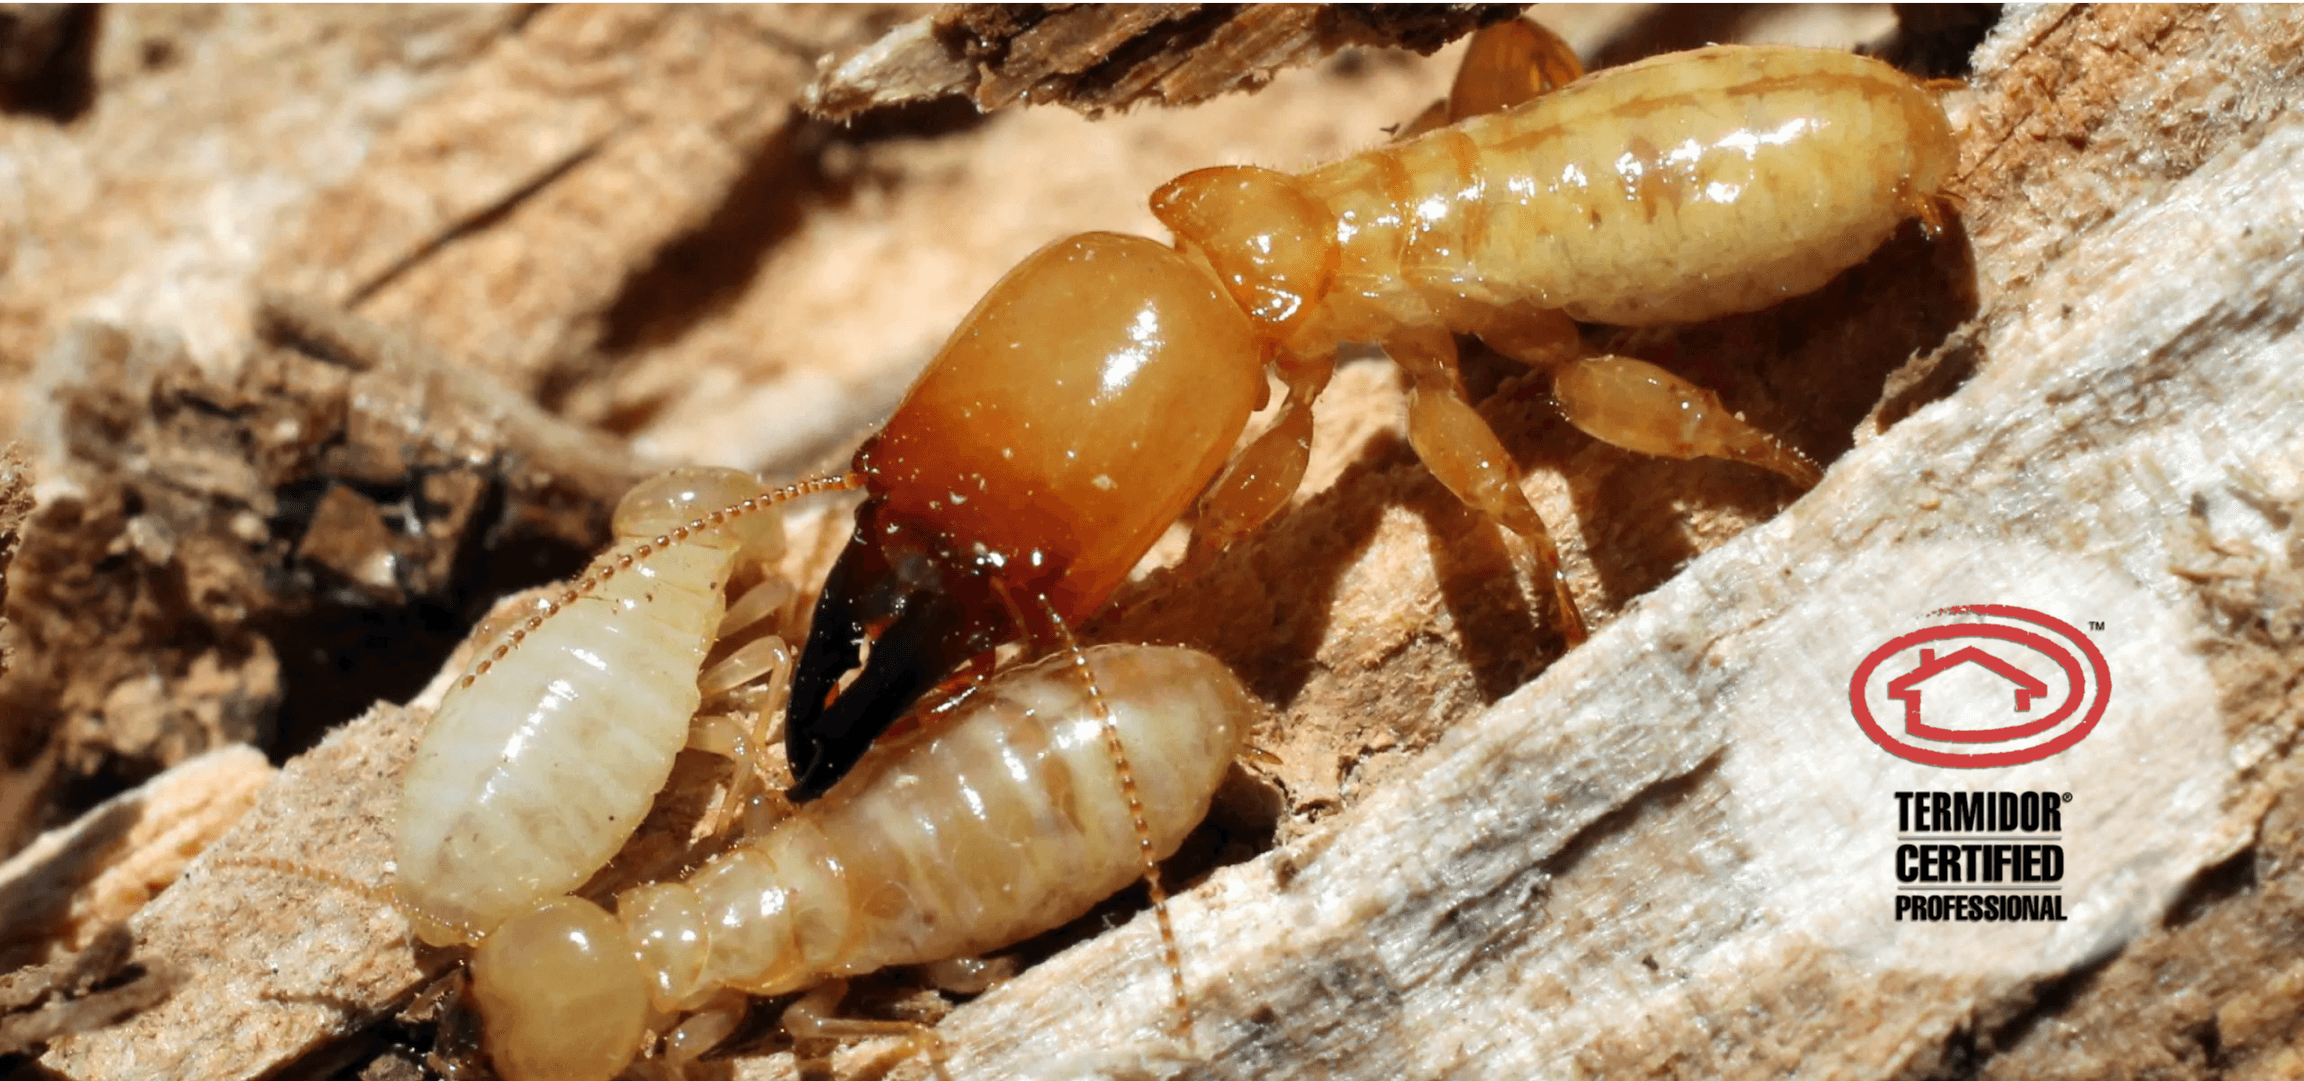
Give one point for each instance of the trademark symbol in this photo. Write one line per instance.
(2095, 624)
(2067, 797)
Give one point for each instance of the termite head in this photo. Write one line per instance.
(1272, 244)
(657, 506)
(1071, 418)
(560, 997)
(924, 613)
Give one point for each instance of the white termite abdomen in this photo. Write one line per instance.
(537, 769)
(1008, 820)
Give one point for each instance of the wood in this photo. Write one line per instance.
(1094, 58)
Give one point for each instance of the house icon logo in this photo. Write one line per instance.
(2011, 694)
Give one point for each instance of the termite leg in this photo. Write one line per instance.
(1638, 406)
(1634, 404)
(741, 737)
(1934, 211)
(968, 975)
(1263, 476)
(1460, 449)
(749, 685)
(1135, 798)
(702, 1030)
(383, 896)
(761, 605)
(1509, 63)
(1541, 338)
(810, 1018)
(458, 1032)
(761, 659)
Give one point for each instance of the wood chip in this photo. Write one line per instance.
(1096, 58)
(76, 881)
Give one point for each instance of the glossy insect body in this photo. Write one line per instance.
(1098, 385)
(1063, 479)
(1679, 189)
(1010, 819)
(538, 766)
(1077, 412)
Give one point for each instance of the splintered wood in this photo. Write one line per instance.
(1667, 853)
(1095, 57)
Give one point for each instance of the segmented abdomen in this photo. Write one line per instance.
(1008, 821)
(529, 779)
(1694, 186)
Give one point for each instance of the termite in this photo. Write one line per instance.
(541, 761)
(1098, 389)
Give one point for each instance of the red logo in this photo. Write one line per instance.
(1949, 703)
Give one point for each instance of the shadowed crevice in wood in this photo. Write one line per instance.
(1505, 921)
(480, 220)
(697, 275)
(1967, 1054)
(2235, 877)
(1938, 40)
(44, 900)
(1095, 59)
(48, 60)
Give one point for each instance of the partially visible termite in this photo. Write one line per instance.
(1096, 392)
(542, 760)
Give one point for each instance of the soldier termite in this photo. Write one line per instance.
(1098, 389)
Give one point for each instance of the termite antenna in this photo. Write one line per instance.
(381, 896)
(614, 562)
(1168, 948)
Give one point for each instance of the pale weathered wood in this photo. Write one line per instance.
(76, 881)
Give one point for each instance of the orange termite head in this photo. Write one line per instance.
(1271, 243)
(1072, 417)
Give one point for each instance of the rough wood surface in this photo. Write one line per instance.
(1668, 854)
(1096, 57)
